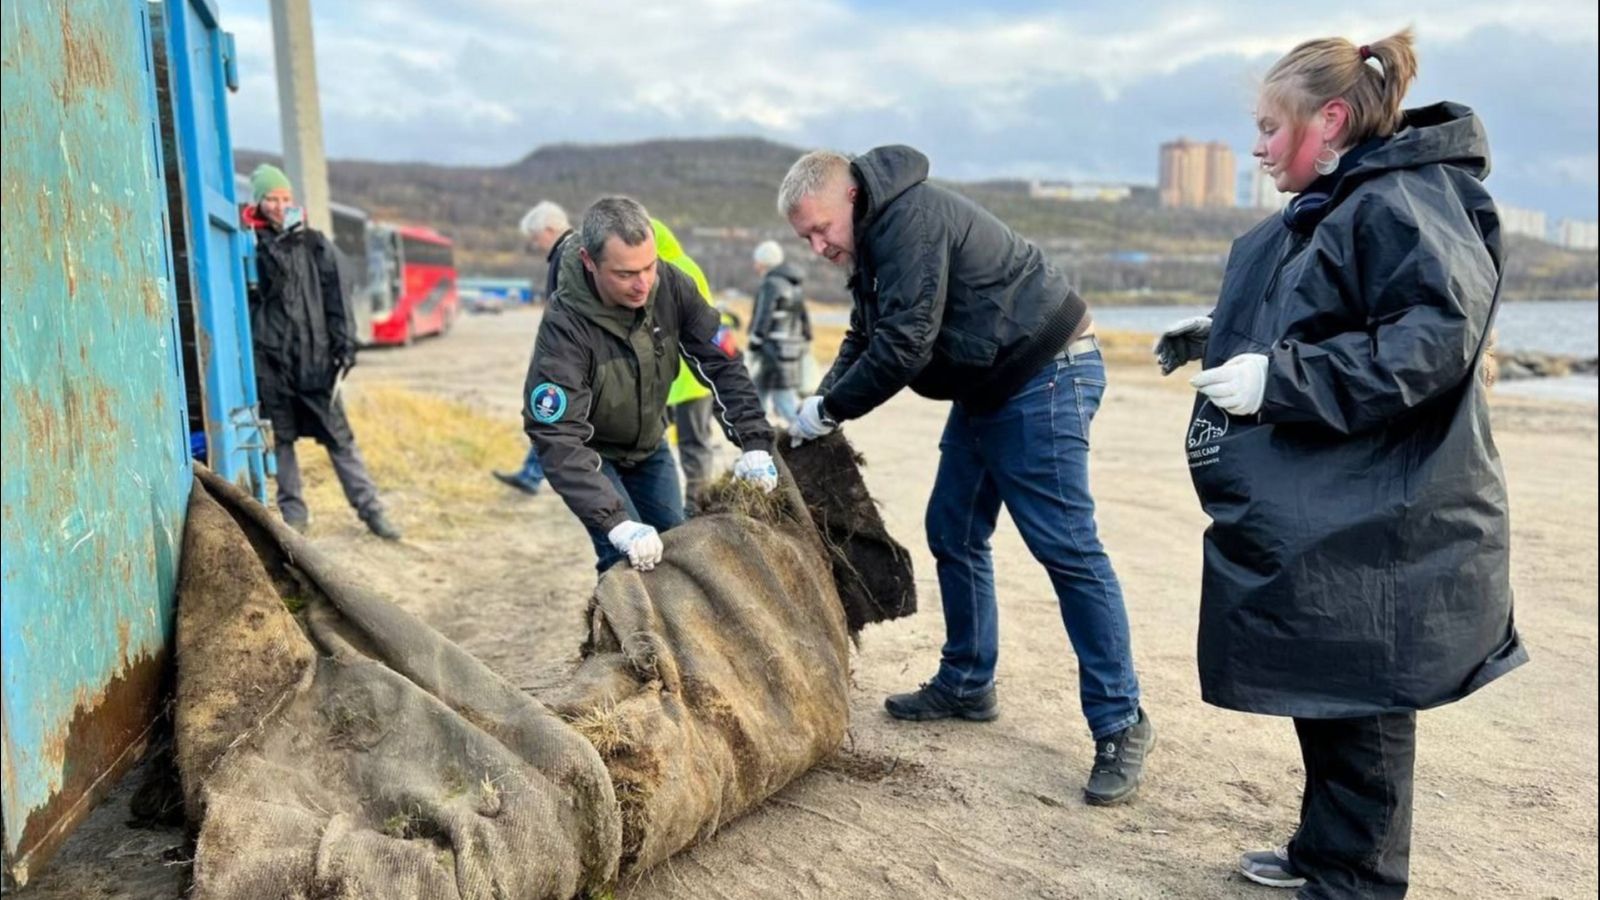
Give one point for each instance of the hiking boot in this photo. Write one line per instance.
(515, 479)
(1271, 868)
(1119, 763)
(933, 701)
(379, 524)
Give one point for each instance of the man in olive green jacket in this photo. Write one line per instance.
(595, 399)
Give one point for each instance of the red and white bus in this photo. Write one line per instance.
(417, 294)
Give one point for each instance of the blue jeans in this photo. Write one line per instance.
(532, 470)
(1032, 454)
(650, 493)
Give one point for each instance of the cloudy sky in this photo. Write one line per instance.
(1082, 90)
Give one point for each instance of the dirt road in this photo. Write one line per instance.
(1506, 781)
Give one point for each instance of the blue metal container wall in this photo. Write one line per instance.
(199, 55)
(95, 449)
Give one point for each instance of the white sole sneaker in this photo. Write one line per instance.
(1270, 868)
(1270, 881)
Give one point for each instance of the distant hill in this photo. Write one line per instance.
(718, 194)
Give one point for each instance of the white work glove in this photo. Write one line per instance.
(1184, 340)
(639, 541)
(757, 467)
(1236, 386)
(810, 424)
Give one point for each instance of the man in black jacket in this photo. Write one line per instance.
(303, 347)
(546, 228)
(595, 400)
(951, 302)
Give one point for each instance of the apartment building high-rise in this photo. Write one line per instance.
(1529, 222)
(1197, 175)
(1578, 234)
(1222, 176)
(1183, 174)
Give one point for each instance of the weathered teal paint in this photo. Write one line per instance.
(94, 443)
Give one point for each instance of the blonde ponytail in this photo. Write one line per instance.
(1398, 64)
(1335, 69)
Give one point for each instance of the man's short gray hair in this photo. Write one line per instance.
(808, 175)
(621, 217)
(544, 214)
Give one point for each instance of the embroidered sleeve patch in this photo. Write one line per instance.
(548, 402)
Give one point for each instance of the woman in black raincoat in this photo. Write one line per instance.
(1357, 564)
(303, 346)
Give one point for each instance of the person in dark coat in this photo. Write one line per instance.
(951, 302)
(303, 347)
(547, 230)
(1357, 564)
(780, 332)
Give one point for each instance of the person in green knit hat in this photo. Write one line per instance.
(303, 342)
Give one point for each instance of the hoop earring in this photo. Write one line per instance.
(1327, 161)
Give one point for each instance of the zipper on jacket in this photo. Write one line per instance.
(1296, 244)
(638, 387)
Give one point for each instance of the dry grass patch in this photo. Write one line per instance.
(1126, 347)
(431, 458)
(605, 728)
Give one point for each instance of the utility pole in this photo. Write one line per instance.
(300, 115)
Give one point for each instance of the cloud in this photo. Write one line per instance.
(1024, 88)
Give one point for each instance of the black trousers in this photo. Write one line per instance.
(1354, 839)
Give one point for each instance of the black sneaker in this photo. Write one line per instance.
(933, 701)
(379, 524)
(1119, 763)
(514, 479)
(1271, 868)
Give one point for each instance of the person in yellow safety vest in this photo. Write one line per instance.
(689, 401)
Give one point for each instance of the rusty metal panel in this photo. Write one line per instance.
(94, 441)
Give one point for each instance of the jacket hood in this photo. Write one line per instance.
(560, 245)
(577, 293)
(885, 173)
(787, 271)
(1444, 133)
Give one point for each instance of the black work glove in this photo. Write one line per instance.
(344, 356)
(1183, 341)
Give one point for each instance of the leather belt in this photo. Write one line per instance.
(1086, 344)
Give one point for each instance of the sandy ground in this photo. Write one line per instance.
(1506, 781)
